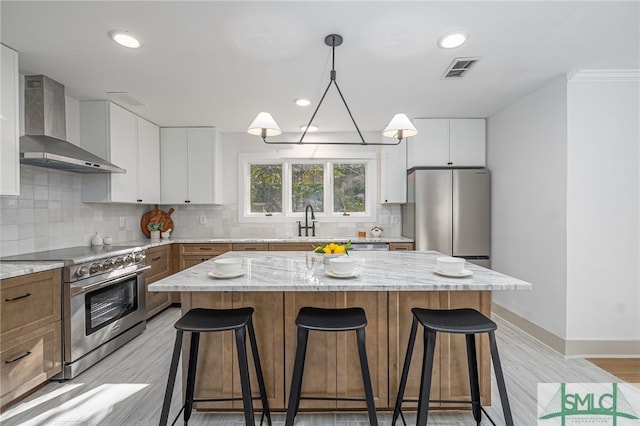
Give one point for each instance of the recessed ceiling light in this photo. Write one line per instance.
(312, 128)
(123, 38)
(302, 102)
(453, 40)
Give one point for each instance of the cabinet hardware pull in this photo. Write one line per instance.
(18, 298)
(206, 248)
(156, 258)
(139, 201)
(11, 361)
(250, 249)
(400, 248)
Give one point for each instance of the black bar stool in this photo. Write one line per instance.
(319, 319)
(458, 321)
(201, 320)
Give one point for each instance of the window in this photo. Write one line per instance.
(281, 189)
(266, 188)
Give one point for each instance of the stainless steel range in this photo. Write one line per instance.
(103, 301)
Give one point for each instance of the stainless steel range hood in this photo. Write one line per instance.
(44, 143)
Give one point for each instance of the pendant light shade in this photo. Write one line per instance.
(400, 127)
(264, 125)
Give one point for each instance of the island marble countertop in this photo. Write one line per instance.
(305, 271)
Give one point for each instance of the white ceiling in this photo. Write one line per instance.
(214, 63)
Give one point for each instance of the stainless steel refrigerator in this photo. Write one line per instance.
(449, 210)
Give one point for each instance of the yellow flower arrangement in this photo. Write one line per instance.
(333, 248)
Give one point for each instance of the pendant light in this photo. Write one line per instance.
(264, 125)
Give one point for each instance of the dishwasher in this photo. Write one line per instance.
(361, 246)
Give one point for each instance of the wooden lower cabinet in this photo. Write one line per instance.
(400, 246)
(450, 377)
(217, 373)
(332, 365)
(29, 360)
(192, 254)
(159, 258)
(454, 369)
(400, 319)
(30, 337)
(250, 246)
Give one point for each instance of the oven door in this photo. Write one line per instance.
(102, 310)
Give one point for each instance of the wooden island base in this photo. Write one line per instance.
(332, 366)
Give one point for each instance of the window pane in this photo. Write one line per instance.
(307, 187)
(266, 188)
(349, 185)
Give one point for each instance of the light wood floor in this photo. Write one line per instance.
(626, 369)
(127, 387)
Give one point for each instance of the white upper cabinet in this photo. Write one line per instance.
(191, 165)
(148, 162)
(129, 142)
(459, 142)
(10, 145)
(393, 174)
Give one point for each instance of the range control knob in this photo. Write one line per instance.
(107, 265)
(82, 271)
(129, 259)
(138, 257)
(119, 262)
(95, 268)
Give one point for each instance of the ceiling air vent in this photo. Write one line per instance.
(459, 67)
(125, 97)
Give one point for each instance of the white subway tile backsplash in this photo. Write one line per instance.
(58, 219)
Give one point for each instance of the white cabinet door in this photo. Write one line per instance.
(148, 162)
(430, 147)
(393, 174)
(9, 146)
(173, 165)
(190, 166)
(129, 142)
(123, 135)
(456, 142)
(201, 165)
(467, 142)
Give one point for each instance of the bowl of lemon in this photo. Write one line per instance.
(331, 250)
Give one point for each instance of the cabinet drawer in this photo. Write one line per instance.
(29, 302)
(29, 360)
(293, 246)
(159, 260)
(205, 249)
(400, 246)
(250, 246)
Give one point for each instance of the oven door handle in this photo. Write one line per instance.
(79, 290)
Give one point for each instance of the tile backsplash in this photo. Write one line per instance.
(49, 214)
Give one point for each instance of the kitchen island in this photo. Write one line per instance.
(387, 286)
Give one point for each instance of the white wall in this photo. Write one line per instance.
(603, 213)
(566, 216)
(526, 153)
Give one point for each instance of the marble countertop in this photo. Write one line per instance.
(305, 271)
(146, 243)
(17, 269)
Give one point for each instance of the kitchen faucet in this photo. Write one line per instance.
(306, 226)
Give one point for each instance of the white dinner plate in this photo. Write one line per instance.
(462, 274)
(332, 274)
(220, 275)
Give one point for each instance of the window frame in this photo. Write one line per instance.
(245, 160)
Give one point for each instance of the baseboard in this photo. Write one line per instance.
(571, 348)
(554, 342)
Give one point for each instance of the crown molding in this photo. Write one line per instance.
(604, 75)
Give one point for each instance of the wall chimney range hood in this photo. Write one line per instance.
(44, 143)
